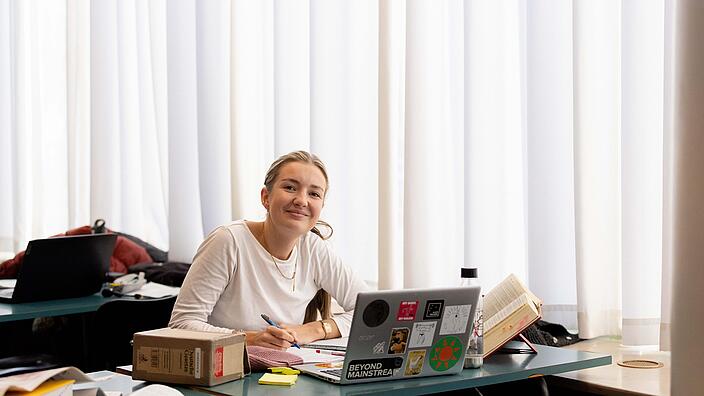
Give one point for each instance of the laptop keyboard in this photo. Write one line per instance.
(334, 372)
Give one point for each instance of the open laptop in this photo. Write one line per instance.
(399, 334)
(62, 267)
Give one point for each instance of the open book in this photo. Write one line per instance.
(509, 308)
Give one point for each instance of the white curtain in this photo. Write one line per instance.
(511, 136)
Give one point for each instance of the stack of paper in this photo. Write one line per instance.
(278, 379)
(155, 290)
(58, 381)
(47, 388)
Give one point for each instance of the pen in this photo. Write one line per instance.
(271, 322)
(326, 352)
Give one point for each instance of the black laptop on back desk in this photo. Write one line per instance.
(62, 267)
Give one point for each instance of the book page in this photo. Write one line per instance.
(504, 313)
(502, 295)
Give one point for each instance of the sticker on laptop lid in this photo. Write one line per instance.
(446, 353)
(373, 368)
(407, 310)
(379, 348)
(433, 309)
(414, 363)
(375, 313)
(422, 335)
(398, 340)
(455, 319)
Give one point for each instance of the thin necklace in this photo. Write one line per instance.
(295, 265)
(293, 277)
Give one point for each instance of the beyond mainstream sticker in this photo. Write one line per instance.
(373, 368)
(445, 353)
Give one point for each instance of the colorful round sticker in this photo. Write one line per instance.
(446, 353)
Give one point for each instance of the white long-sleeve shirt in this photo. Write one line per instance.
(233, 280)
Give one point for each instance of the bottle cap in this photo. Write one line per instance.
(470, 273)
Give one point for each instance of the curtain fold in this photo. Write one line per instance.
(667, 176)
(597, 103)
(550, 175)
(185, 212)
(344, 53)
(392, 76)
(7, 207)
(433, 144)
(511, 136)
(494, 141)
(78, 110)
(642, 169)
(252, 108)
(34, 121)
(213, 87)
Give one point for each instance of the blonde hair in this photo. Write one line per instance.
(321, 303)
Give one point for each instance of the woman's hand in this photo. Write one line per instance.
(284, 337)
(272, 337)
(307, 333)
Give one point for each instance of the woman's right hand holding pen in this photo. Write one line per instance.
(272, 337)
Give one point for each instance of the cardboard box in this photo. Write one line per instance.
(189, 357)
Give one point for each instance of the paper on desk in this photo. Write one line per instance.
(157, 390)
(333, 344)
(7, 283)
(29, 381)
(155, 290)
(311, 356)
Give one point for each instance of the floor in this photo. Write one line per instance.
(617, 380)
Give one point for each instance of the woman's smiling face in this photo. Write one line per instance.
(296, 198)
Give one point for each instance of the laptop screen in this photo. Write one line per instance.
(64, 267)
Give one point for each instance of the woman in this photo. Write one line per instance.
(281, 267)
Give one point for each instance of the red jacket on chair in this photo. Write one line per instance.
(125, 255)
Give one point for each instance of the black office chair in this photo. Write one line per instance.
(113, 325)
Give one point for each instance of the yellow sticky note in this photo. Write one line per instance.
(284, 370)
(278, 379)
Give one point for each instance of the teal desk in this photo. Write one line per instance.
(11, 312)
(496, 369)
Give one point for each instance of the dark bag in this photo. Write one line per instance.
(157, 255)
(170, 273)
(552, 334)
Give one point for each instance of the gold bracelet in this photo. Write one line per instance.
(327, 328)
